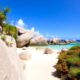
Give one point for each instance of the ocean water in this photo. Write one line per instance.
(59, 47)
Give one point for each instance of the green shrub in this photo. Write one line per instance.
(73, 60)
(10, 30)
(62, 55)
(74, 71)
(68, 64)
(75, 48)
(2, 17)
(10, 43)
(3, 37)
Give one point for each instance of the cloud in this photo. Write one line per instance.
(38, 32)
(33, 29)
(20, 23)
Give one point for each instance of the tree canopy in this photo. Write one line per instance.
(3, 16)
(6, 27)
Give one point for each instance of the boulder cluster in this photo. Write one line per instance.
(28, 37)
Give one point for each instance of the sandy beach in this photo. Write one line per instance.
(40, 66)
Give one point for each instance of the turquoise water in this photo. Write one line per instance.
(59, 47)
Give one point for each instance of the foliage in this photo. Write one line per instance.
(6, 10)
(10, 30)
(73, 60)
(3, 16)
(9, 43)
(74, 71)
(3, 37)
(7, 28)
(69, 64)
(75, 47)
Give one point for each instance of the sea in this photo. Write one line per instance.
(60, 47)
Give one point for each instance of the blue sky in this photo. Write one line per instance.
(57, 18)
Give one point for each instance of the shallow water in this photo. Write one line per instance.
(59, 47)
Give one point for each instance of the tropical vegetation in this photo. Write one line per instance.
(68, 65)
(6, 27)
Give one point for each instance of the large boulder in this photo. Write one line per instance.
(25, 38)
(39, 40)
(55, 41)
(10, 68)
(21, 30)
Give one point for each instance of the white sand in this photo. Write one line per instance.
(40, 66)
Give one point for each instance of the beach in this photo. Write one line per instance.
(40, 66)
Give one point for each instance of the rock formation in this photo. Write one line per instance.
(48, 51)
(39, 40)
(24, 39)
(10, 68)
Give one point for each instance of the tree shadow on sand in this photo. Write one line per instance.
(55, 74)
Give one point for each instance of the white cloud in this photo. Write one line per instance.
(20, 23)
(33, 29)
(38, 33)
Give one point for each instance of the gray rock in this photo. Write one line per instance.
(48, 51)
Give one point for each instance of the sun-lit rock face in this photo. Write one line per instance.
(25, 38)
(21, 30)
(10, 68)
(39, 40)
(56, 40)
